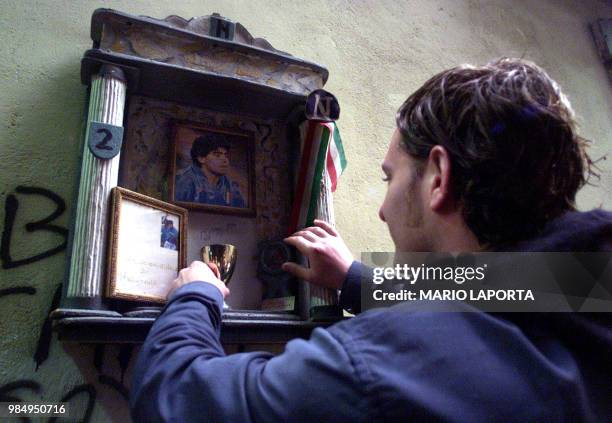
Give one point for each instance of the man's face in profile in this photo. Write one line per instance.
(216, 161)
(403, 206)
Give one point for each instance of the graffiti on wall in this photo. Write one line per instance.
(10, 391)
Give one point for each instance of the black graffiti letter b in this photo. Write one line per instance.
(11, 206)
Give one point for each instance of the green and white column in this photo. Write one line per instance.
(98, 176)
(321, 298)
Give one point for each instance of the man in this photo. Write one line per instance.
(169, 235)
(206, 180)
(483, 158)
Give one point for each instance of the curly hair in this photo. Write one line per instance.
(204, 144)
(516, 159)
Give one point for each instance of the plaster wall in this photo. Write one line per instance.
(377, 53)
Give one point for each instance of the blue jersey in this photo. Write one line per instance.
(169, 235)
(192, 185)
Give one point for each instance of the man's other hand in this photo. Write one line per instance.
(199, 272)
(328, 255)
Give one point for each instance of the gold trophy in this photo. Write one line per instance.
(224, 257)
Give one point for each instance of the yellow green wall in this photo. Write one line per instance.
(377, 53)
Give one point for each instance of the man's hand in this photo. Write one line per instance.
(198, 271)
(327, 253)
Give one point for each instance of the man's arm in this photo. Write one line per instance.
(182, 373)
(350, 295)
(331, 264)
(328, 256)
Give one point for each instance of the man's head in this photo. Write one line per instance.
(168, 223)
(490, 152)
(211, 152)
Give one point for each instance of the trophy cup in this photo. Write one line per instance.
(224, 257)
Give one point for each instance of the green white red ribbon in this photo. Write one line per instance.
(321, 148)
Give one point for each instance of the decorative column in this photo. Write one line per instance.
(324, 301)
(98, 176)
(322, 106)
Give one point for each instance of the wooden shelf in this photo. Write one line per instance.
(248, 327)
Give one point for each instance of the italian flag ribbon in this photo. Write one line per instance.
(321, 148)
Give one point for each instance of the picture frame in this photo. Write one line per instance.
(147, 246)
(212, 169)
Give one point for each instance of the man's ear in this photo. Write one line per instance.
(439, 179)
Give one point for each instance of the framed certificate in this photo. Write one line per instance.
(147, 246)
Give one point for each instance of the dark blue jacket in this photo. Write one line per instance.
(387, 365)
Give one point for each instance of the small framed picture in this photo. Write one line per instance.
(147, 246)
(212, 169)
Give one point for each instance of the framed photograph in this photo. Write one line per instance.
(147, 246)
(212, 169)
